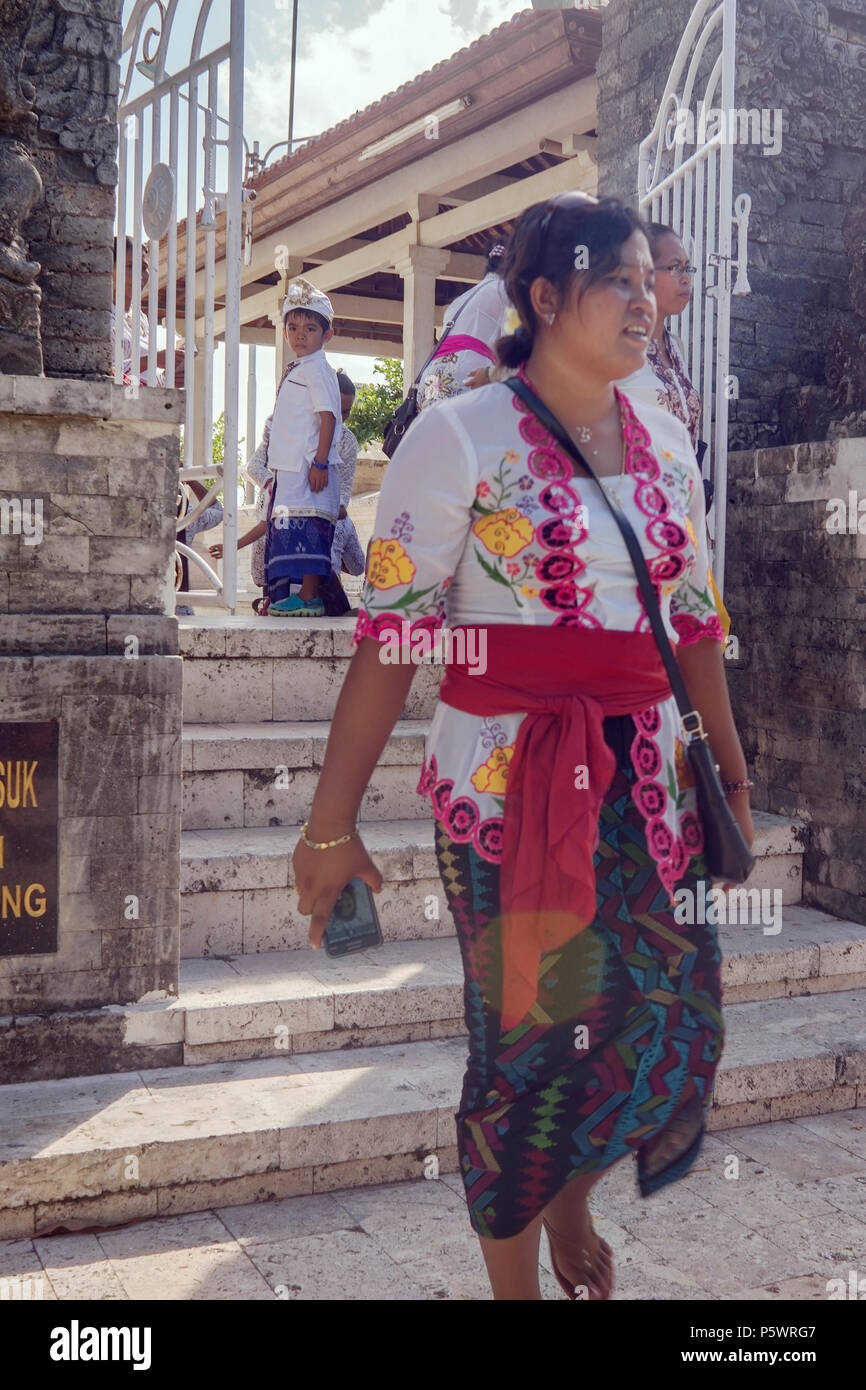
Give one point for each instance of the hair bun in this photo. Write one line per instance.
(515, 347)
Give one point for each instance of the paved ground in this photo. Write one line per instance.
(770, 1212)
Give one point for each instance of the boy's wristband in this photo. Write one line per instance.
(316, 464)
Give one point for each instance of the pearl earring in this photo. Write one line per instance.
(548, 318)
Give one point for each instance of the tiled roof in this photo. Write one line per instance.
(524, 19)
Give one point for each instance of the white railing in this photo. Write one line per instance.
(685, 180)
(181, 138)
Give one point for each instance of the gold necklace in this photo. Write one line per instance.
(615, 481)
(615, 484)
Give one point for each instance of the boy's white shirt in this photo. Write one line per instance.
(311, 386)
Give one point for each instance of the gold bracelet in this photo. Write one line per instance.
(325, 844)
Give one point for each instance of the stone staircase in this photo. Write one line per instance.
(293, 1073)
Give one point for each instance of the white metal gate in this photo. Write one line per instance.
(181, 138)
(685, 180)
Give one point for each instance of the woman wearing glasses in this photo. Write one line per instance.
(562, 821)
(663, 379)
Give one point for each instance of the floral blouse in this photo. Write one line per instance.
(669, 387)
(478, 313)
(483, 521)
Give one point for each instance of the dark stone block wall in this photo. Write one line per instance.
(796, 591)
(102, 465)
(88, 638)
(72, 58)
(87, 634)
(798, 342)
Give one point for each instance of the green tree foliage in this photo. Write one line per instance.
(218, 451)
(376, 403)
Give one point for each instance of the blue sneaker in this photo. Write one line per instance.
(298, 607)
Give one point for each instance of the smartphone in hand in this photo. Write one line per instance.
(354, 923)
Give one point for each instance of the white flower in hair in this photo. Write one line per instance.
(512, 321)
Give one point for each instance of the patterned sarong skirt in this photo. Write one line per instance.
(298, 540)
(618, 1055)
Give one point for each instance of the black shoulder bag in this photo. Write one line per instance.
(727, 855)
(406, 413)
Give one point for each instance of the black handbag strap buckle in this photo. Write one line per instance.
(692, 726)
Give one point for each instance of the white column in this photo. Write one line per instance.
(419, 270)
(279, 345)
(202, 453)
(251, 431)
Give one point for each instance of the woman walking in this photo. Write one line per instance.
(664, 380)
(563, 818)
(474, 321)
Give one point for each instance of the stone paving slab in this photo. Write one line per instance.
(768, 1213)
(103, 1150)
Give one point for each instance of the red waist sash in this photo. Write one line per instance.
(566, 680)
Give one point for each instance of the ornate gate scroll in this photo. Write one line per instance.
(685, 179)
(181, 138)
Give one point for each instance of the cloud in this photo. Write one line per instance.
(351, 56)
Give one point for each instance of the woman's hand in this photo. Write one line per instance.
(318, 478)
(373, 694)
(742, 813)
(216, 551)
(480, 377)
(322, 874)
(342, 514)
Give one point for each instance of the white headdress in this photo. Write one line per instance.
(302, 295)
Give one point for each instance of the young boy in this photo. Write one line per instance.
(345, 549)
(301, 453)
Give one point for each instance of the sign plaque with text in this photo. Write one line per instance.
(28, 838)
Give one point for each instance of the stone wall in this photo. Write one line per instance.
(72, 59)
(104, 467)
(796, 590)
(85, 640)
(798, 341)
